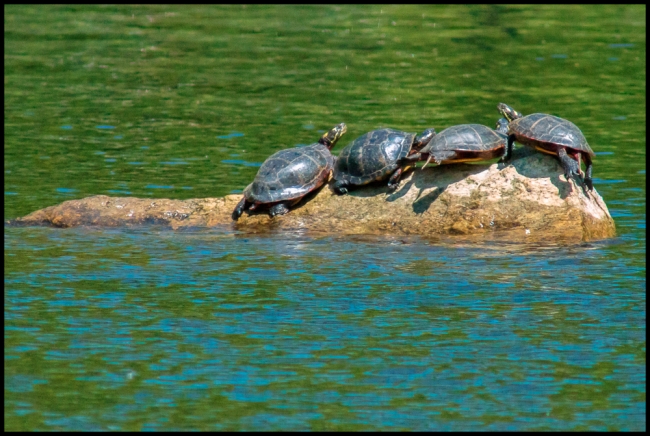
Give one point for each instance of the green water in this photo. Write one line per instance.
(154, 329)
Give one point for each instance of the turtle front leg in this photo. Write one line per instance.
(588, 182)
(393, 182)
(240, 208)
(507, 155)
(340, 187)
(440, 156)
(571, 166)
(411, 158)
(279, 209)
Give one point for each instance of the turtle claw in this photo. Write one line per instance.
(340, 187)
(579, 178)
(572, 175)
(278, 209)
(571, 169)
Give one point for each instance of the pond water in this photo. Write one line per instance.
(153, 329)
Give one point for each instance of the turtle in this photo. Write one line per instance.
(288, 175)
(374, 156)
(465, 143)
(552, 135)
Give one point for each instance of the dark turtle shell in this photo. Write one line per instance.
(372, 156)
(472, 138)
(290, 174)
(547, 132)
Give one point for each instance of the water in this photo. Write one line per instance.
(153, 329)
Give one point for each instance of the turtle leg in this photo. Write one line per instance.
(279, 209)
(580, 173)
(507, 155)
(340, 187)
(440, 156)
(588, 181)
(571, 166)
(411, 158)
(393, 182)
(240, 208)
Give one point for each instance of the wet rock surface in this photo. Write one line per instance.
(528, 199)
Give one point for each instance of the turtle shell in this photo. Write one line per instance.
(468, 138)
(290, 174)
(547, 132)
(372, 156)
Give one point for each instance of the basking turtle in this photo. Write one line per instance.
(288, 175)
(375, 156)
(551, 135)
(465, 143)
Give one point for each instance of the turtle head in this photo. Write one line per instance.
(422, 140)
(329, 139)
(508, 112)
(502, 126)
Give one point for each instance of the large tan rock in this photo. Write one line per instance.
(529, 199)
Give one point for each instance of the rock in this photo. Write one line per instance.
(527, 200)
